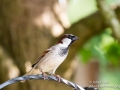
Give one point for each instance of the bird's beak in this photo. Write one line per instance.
(75, 38)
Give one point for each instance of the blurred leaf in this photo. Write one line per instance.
(104, 47)
(85, 55)
(113, 53)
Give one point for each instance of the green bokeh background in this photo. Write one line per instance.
(103, 46)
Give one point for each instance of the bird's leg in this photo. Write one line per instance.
(57, 76)
(43, 73)
(52, 73)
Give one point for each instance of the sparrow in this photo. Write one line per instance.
(51, 59)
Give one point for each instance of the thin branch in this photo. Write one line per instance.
(39, 76)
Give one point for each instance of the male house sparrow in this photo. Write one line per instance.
(53, 57)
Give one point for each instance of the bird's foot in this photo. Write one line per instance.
(57, 76)
(44, 74)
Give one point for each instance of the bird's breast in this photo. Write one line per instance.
(52, 59)
(63, 52)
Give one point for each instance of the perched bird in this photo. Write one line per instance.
(50, 60)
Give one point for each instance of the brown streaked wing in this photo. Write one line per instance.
(40, 57)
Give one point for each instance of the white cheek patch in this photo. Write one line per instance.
(66, 42)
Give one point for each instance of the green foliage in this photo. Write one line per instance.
(104, 47)
(86, 54)
(113, 53)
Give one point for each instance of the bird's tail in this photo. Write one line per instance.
(33, 71)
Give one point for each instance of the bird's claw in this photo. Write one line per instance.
(57, 76)
(44, 75)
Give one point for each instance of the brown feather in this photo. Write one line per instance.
(60, 40)
(44, 53)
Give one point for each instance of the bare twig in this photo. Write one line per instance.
(110, 18)
(52, 78)
(39, 76)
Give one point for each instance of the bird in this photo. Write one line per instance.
(51, 59)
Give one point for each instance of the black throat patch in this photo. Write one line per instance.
(63, 51)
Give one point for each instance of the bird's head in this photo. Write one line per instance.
(67, 39)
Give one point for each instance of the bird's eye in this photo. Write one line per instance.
(70, 36)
